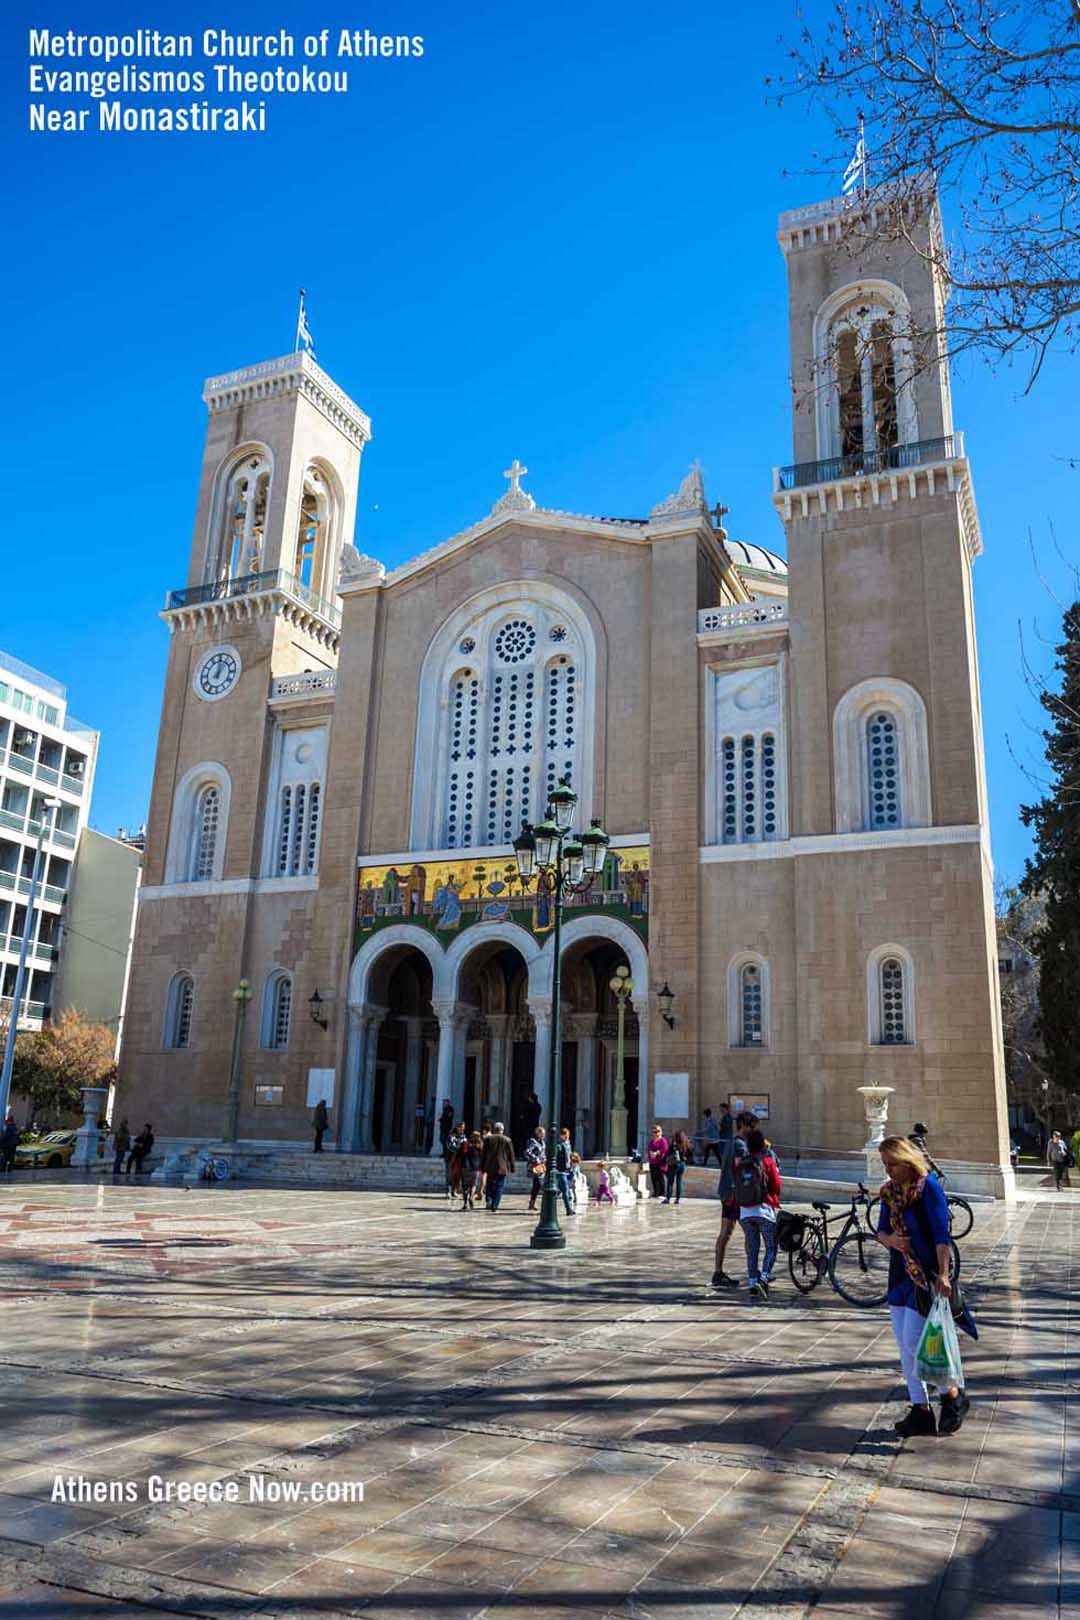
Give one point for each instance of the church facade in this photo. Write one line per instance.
(786, 755)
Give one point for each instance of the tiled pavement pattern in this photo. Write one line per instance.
(582, 1435)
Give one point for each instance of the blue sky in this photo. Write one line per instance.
(552, 237)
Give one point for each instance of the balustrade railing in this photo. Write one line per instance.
(896, 458)
(747, 617)
(273, 579)
(312, 683)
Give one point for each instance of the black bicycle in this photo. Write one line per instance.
(855, 1263)
(961, 1214)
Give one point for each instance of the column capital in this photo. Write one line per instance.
(540, 1007)
(367, 1012)
(452, 1014)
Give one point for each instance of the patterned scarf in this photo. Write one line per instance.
(897, 1200)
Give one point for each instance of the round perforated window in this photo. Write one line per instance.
(515, 641)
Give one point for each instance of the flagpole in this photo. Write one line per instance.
(862, 149)
(299, 322)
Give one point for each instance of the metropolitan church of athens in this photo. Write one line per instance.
(799, 844)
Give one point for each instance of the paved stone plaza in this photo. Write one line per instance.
(588, 1434)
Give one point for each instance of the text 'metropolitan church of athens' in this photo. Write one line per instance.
(799, 833)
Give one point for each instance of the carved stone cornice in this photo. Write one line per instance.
(869, 490)
(290, 374)
(272, 602)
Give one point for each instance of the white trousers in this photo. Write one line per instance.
(908, 1325)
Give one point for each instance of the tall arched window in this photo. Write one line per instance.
(277, 1011)
(890, 995)
(314, 560)
(294, 814)
(883, 770)
(205, 834)
(179, 1008)
(504, 712)
(200, 819)
(240, 514)
(748, 807)
(881, 758)
(863, 354)
(748, 1001)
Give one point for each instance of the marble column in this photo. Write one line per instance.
(645, 1093)
(497, 1100)
(352, 1063)
(586, 1077)
(540, 1007)
(453, 1019)
(373, 1019)
(413, 1052)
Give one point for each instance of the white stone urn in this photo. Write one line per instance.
(876, 1102)
(86, 1142)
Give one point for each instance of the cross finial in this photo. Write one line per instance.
(720, 512)
(515, 472)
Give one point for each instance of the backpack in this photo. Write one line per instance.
(749, 1182)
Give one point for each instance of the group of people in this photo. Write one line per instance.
(477, 1164)
(750, 1188)
(668, 1162)
(134, 1150)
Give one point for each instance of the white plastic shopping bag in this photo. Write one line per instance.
(937, 1360)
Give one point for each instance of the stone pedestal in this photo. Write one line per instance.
(86, 1141)
(876, 1102)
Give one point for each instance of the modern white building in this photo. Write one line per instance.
(44, 753)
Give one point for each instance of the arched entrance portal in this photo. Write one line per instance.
(471, 1023)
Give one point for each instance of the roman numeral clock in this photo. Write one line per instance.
(216, 673)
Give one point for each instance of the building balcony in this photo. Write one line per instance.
(869, 463)
(51, 892)
(252, 594)
(31, 1013)
(72, 784)
(19, 762)
(736, 620)
(38, 952)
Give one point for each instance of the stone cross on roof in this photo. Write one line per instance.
(515, 499)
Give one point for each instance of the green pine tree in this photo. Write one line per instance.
(1054, 869)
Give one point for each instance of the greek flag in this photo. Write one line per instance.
(855, 173)
(304, 339)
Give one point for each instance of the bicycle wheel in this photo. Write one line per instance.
(961, 1216)
(859, 1269)
(222, 1168)
(806, 1265)
(873, 1210)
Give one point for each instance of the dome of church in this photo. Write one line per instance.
(745, 555)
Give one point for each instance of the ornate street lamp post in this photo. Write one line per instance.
(622, 988)
(569, 865)
(241, 996)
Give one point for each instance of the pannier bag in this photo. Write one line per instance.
(790, 1231)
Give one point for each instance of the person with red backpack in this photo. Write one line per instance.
(757, 1193)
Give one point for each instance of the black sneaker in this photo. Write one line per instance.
(920, 1420)
(954, 1409)
(717, 1279)
(763, 1288)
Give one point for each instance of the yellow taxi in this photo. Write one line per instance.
(50, 1152)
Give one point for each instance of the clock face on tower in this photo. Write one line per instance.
(216, 673)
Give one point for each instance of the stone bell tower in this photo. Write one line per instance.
(886, 769)
(276, 508)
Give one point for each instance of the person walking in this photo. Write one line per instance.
(121, 1146)
(468, 1160)
(9, 1141)
(678, 1156)
(657, 1152)
(446, 1131)
(734, 1147)
(497, 1162)
(320, 1124)
(1057, 1158)
(535, 1155)
(710, 1135)
(913, 1224)
(457, 1139)
(140, 1150)
(604, 1194)
(564, 1167)
(919, 1133)
(757, 1192)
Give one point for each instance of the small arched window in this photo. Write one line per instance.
(178, 1011)
(277, 1012)
(748, 1001)
(238, 537)
(890, 993)
(750, 1005)
(314, 562)
(205, 836)
(881, 758)
(863, 355)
